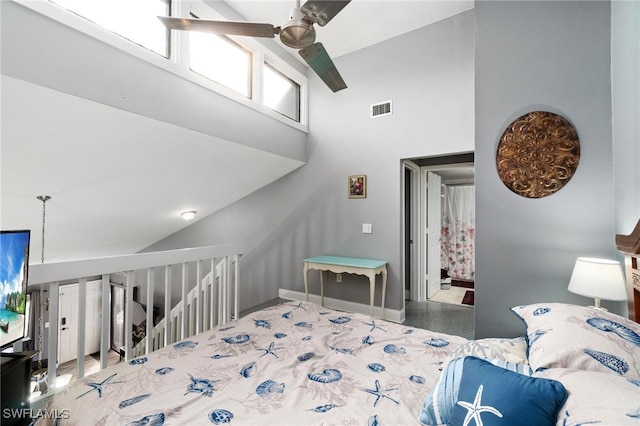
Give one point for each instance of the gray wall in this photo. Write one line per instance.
(428, 74)
(625, 97)
(553, 56)
(529, 55)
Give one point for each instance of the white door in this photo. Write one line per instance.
(432, 234)
(413, 232)
(68, 332)
(69, 327)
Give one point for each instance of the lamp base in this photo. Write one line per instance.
(596, 305)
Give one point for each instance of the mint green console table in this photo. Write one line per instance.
(347, 265)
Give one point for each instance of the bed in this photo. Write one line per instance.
(300, 363)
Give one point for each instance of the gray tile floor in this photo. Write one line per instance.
(440, 317)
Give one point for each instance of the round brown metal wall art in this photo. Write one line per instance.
(538, 154)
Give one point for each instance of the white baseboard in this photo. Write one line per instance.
(393, 315)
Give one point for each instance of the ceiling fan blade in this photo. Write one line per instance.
(318, 59)
(250, 29)
(321, 12)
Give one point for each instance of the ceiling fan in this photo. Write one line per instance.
(297, 33)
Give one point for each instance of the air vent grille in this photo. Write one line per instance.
(381, 109)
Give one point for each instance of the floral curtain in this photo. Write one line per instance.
(459, 231)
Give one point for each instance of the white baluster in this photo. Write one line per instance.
(81, 324)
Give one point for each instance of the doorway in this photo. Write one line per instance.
(70, 322)
(425, 181)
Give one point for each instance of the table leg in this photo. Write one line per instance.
(305, 273)
(372, 289)
(384, 291)
(321, 287)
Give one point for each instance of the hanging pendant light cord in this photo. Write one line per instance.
(44, 199)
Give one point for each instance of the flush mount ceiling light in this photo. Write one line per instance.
(188, 216)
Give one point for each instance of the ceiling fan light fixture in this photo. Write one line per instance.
(298, 32)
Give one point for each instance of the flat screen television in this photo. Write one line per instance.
(14, 268)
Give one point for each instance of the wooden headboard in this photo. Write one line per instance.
(630, 246)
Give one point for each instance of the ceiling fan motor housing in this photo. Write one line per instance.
(298, 32)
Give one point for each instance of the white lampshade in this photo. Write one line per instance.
(598, 278)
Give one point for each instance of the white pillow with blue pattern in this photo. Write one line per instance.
(511, 350)
(596, 397)
(440, 401)
(561, 335)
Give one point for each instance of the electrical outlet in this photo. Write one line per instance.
(366, 228)
(338, 278)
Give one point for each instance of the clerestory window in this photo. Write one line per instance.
(281, 93)
(137, 22)
(221, 60)
(238, 65)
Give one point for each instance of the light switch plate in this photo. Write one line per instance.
(366, 228)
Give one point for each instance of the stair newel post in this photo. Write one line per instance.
(54, 327)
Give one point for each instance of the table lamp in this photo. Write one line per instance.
(598, 278)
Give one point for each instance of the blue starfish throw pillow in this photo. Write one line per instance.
(491, 395)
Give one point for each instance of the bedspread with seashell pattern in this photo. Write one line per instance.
(291, 364)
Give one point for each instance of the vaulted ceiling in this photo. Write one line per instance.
(125, 190)
(361, 23)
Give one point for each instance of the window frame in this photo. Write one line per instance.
(178, 61)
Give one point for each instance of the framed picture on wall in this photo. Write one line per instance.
(357, 186)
